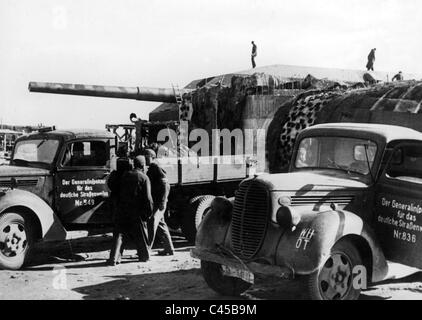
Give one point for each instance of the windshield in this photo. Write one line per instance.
(346, 154)
(35, 151)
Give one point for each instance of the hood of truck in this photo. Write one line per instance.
(310, 181)
(7, 171)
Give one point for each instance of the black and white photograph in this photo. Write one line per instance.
(225, 151)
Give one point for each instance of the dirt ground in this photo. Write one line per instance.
(76, 270)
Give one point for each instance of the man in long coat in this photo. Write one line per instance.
(160, 189)
(371, 60)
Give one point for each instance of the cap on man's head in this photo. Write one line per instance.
(139, 162)
(150, 153)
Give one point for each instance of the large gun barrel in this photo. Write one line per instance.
(135, 93)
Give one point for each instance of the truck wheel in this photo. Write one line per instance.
(224, 285)
(334, 280)
(193, 216)
(16, 240)
(188, 220)
(204, 205)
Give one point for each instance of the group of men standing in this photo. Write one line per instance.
(139, 200)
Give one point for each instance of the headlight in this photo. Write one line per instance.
(287, 217)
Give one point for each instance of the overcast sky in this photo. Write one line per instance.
(160, 43)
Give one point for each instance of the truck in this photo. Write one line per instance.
(350, 202)
(55, 184)
(56, 180)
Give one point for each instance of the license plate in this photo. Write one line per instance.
(238, 273)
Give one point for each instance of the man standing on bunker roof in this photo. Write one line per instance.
(371, 60)
(253, 54)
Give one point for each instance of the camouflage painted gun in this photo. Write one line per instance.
(135, 93)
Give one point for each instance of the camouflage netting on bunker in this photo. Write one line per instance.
(393, 103)
(220, 104)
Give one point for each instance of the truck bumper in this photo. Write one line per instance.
(283, 272)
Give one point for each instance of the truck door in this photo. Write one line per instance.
(80, 183)
(398, 207)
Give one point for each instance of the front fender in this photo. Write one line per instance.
(51, 227)
(307, 247)
(214, 227)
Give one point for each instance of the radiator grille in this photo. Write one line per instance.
(250, 218)
(20, 183)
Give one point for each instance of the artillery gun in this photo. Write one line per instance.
(196, 178)
(134, 93)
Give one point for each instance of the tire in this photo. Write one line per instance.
(204, 204)
(194, 200)
(224, 285)
(16, 240)
(328, 283)
(189, 225)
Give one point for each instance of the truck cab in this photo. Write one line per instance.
(350, 201)
(56, 182)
